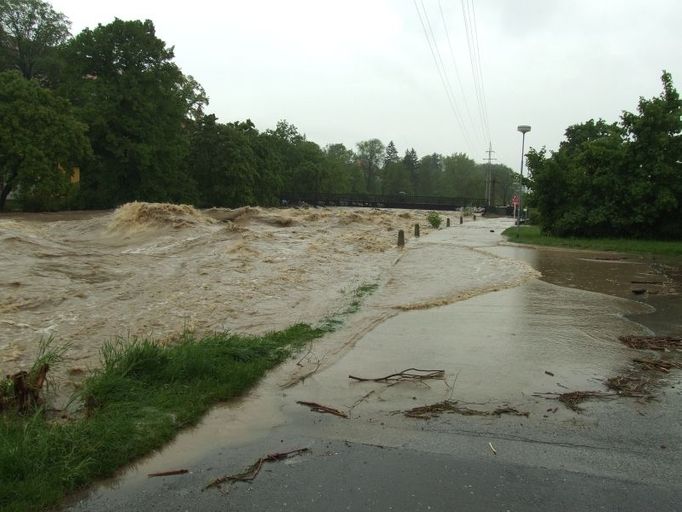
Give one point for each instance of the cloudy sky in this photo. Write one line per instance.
(345, 71)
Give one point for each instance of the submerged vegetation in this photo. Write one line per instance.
(533, 235)
(142, 395)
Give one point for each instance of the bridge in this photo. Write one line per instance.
(385, 201)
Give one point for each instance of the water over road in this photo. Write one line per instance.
(455, 300)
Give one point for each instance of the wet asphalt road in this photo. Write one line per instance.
(617, 455)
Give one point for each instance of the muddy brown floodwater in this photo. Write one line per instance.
(157, 269)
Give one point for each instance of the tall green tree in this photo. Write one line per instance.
(303, 169)
(138, 105)
(654, 159)
(391, 156)
(40, 142)
(615, 179)
(344, 174)
(30, 32)
(223, 164)
(371, 156)
(411, 164)
(430, 169)
(396, 179)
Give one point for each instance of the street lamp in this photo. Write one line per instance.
(524, 129)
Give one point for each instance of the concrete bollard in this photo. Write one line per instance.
(416, 230)
(461, 219)
(401, 238)
(447, 222)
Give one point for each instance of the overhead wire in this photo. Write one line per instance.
(474, 59)
(457, 73)
(480, 68)
(438, 60)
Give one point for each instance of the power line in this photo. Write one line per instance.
(457, 73)
(474, 61)
(435, 53)
(480, 68)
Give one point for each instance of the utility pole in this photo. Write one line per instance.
(490, 182)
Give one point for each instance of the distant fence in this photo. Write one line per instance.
(386, 201)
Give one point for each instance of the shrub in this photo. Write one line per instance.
(434, 219)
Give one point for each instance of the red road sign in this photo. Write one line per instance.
(515, 200)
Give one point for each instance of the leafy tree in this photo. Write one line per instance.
(371, 156)
(303, 170)
(223, 164)
(430, 169)
(654, 158)
(40, 141)
(138, 105)
(615, 179)
(30, 32)
(344, 175)
(396, 179)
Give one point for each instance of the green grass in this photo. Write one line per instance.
(358, 295)
(532, 235)
(141, 397)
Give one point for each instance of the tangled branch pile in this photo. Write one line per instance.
(426, 412)
(661, 343)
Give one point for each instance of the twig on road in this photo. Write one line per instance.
(314, 406)
(250, 473)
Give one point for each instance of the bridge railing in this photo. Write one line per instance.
(387, 201)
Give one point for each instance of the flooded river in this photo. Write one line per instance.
(155, 270)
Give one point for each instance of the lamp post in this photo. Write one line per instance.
(524, 129)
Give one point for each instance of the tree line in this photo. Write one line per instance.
(106, 117)
(620, 179)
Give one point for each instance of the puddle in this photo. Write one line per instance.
(613, 274)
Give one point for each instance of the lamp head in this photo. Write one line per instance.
(523, 128)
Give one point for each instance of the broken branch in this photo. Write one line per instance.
(252, 471)
(405, 375)
(314, 406)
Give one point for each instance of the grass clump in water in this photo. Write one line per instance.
(533, 235)
(141, 397)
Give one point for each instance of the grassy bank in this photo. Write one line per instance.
(532, 235)
(141, 397)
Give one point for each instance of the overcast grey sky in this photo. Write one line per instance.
(345, 71)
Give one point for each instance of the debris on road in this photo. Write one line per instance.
(573, 399)
(549, 373)
(492, 448)
(426, 412)
(172, 472)
(410, 374)
(629, 385)
(250, 473)
(661, 343)
(658, 365)
(314, 406)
